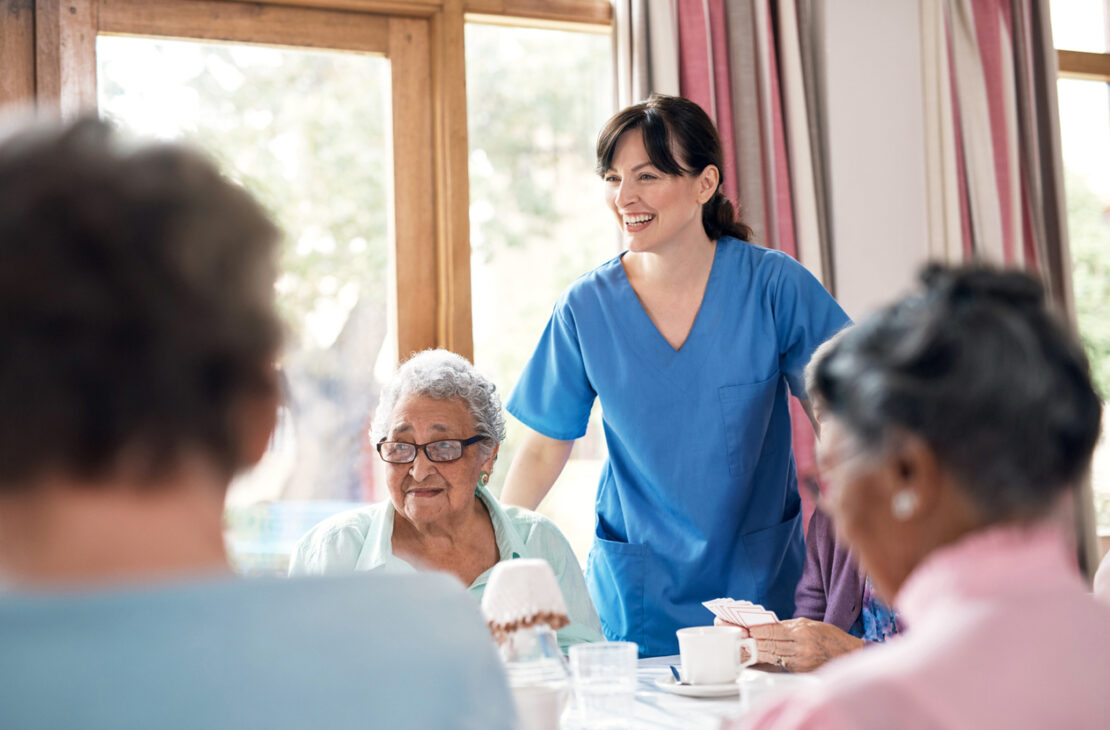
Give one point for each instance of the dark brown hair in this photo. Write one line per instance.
(136, 306)
(670, 125)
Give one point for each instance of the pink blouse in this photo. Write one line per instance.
(1001, 633)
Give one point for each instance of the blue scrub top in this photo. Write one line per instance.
(698, 498)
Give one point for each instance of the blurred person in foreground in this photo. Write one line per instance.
(139, 332)
(954, 425)
(438, 427)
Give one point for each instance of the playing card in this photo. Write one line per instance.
(741, 613)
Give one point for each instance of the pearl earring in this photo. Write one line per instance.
(903, 504)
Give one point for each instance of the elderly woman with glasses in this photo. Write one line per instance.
(954, 426)
(438, 427)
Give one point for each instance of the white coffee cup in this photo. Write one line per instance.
(711, 654)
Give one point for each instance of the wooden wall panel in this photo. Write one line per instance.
(17, 51)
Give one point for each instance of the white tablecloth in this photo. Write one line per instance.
(658, 709)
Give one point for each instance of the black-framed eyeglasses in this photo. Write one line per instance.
(402, 452)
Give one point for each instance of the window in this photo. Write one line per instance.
(536, 99)
(376, 85)
(1079, 29)
(307, 132)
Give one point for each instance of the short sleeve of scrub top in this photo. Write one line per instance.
(554, 384)
(698, 495)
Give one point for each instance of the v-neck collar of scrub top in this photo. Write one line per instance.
(680, 365)
(377, 550)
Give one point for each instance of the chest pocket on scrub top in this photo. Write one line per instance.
(746, 411)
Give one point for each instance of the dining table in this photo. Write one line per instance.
(658, 706)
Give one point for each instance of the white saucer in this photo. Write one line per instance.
(727, 689)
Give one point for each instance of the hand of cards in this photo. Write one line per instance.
(741, 613)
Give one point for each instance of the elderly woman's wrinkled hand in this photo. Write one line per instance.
(801, 644)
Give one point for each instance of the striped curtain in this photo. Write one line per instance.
(994, 180)
(645, 49)
(994, 171)
(991, 139)
(993, 165)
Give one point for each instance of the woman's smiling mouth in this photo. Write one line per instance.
(634, 223)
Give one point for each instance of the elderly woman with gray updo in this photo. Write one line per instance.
(955, 425)
(438, 427)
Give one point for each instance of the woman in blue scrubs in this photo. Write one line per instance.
(691, 338)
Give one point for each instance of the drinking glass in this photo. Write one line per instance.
(604, 682)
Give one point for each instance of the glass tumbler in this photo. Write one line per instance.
(604, 682)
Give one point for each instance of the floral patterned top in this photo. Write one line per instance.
(880, 622)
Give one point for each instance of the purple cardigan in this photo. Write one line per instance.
(831, 588)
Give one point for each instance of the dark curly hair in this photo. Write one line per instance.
(979, 368)
(670, 125)
(136, 305)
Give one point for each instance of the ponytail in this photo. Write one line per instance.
(718, 217)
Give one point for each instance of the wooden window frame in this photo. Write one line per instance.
(48, 53)
(1083, 65)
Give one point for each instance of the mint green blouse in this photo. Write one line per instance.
(362, 539)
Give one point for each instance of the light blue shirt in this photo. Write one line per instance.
(400, 652)
(362, 539)
(698, 498)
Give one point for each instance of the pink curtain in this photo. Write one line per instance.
(1008, 181)
(999, 69)
(993, 165)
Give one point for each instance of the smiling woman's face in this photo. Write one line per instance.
(654, 209)
(424, 492)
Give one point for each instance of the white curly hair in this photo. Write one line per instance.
(444, 375)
